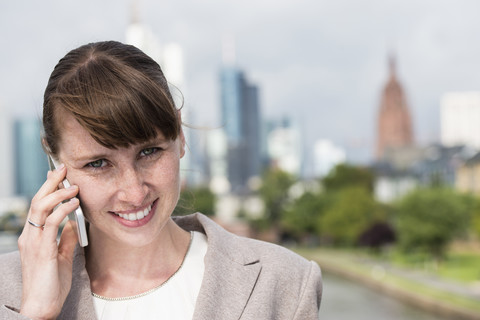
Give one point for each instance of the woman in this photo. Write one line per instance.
(109, 118)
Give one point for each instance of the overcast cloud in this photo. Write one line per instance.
(322, 62)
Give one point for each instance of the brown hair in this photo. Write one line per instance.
(115, 91)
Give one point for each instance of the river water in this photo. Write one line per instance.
(343, 299)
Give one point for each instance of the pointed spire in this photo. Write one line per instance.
(394, 126)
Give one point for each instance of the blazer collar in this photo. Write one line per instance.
(231, 272)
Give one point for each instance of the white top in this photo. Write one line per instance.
(174, 299)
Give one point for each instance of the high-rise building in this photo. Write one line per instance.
(31, 163)
(394, 129)
(459, 119)
(284, 146)
(241, 122)
(6, 155)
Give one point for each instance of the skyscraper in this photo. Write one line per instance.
(241, 121)
(284, 146)
(31, 164)
(394, 129)
(6, 154)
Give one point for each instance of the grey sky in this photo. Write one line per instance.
(323, 62)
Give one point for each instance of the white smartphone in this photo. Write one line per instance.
(76, 216)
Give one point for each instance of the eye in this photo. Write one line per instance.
(96, 164)
(148, 151)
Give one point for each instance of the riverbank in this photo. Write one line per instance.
(435, 295)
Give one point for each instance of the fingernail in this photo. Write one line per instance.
(72, 187)
(74, 200)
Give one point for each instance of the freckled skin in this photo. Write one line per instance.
(129, 179)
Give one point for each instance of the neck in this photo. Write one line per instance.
(119, 270)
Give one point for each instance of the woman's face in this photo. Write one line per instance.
(127, 194)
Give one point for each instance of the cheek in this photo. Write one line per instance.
(92, 195)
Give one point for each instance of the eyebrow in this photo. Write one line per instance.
(89, 157)
(102, 155)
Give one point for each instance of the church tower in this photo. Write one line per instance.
(394, 130)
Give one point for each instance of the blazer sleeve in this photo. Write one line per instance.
(309, 302)
(7, 313)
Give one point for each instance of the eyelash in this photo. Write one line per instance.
(154, 151)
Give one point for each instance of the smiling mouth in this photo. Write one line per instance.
(139, 215)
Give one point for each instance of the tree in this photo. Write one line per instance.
(475, 218)
(353, 211)
(476, 223)
(192, 200)
(428, 219)
(344, 176)
(302, 216)
(274, 193)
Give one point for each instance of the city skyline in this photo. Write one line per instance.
(323, 63)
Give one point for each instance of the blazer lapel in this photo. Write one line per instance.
(231, 272)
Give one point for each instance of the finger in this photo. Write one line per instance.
(68, 241)
(53, 221)
(40, 209)
(54, 178)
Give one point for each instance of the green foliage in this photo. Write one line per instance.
(303, 214)
(274, 193)
(353, 210)
(463, 267)
(428, 219)
(476, 219)
(192, 200)
(345, 176)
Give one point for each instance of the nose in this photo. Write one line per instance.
(131, 187)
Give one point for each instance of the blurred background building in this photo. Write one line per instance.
(31, 163)
(459, 115)
(284, 145)
(395, 130)
(242, 124)
(6, 155)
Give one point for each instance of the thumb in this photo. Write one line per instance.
(68, 241)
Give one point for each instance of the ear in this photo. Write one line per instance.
(45, 146)
(181, 137)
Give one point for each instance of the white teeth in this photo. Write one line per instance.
(136, 215)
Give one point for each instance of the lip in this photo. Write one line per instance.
(136, 223)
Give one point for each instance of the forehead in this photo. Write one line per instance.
(73, 138)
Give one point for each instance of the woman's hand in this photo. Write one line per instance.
(46, 265)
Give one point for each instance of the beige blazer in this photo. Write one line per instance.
(244, 279)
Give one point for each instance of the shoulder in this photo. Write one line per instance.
(274, 255)
(284, 265)
(277, 261)
(242, 249)
(281, 276)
